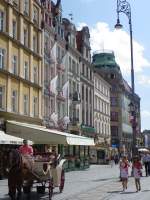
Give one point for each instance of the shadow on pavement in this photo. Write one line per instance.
(32, 196)
(145, 191)
(103, 179)
(128, 192)
(111, 192)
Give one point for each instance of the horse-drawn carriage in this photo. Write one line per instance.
(41, 172)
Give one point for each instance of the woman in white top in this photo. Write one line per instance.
(124, 165)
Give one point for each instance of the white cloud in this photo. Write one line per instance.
(118, 41)
(143, 80)
(145, 114)
(80, 25)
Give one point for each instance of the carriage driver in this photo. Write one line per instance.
(26, 149)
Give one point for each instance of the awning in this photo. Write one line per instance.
(8, 139)
(42, 135)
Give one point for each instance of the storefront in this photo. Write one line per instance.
(74, 148)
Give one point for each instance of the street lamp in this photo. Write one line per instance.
(124, 7)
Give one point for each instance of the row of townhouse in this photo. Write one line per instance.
(70, 83)
(46, 75)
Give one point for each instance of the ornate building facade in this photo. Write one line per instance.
(101, 118)
(120, 97)
(20, 61)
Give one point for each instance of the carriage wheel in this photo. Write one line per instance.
(50, 189)
(62, 181)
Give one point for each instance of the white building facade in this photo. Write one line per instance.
(101, 117)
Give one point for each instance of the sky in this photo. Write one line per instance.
(100, 16)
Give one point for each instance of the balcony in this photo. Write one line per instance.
(60, 65)
(75, 97)
(74, 121)
(60, 94)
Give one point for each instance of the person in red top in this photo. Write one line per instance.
(26, 149)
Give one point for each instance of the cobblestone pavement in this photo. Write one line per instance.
(100, 182)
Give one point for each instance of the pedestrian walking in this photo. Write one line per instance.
(148, 159)
(124, 165)
(116, 159)
(137, 173)
(112, 161)
(145, 160)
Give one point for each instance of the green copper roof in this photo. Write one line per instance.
(104, 59)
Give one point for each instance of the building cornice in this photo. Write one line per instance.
(19, 44)
(16, 77)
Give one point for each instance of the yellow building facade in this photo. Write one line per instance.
(20, 60)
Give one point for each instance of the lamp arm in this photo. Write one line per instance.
(124, 7)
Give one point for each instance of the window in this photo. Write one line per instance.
(114, 116)
(114, 101)
(73, 66)
(14, 64)
(34, 43)
(70, 66)
(26, 104)
(15, 3)
(58, 53)
(14, 102)
(83, 92)
(1, 21)
(2, 97)
(2, 58)
(73, 42)
(87, 53)
(26, 70)
(35, 106)
(63, 109)
(14, 29)
(77, 69)
(26, 7)
(52, 106)
(114, 88)
(114, 131)
(62, 33)
(59, 109)
(83, 69)
(25, 37)
(46, 107)
(35, 75)
(87, 72)
(112, 76)
(35, 15)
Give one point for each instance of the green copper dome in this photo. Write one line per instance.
(104, 59)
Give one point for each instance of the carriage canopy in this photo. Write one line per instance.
(42, 135)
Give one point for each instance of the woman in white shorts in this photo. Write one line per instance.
(137, 166)
(124, 165)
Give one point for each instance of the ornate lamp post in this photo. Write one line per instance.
(124, 7)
